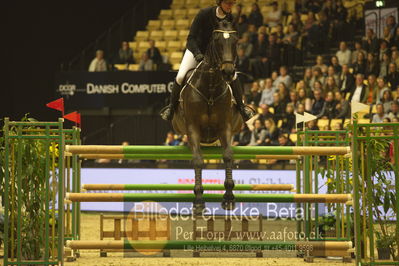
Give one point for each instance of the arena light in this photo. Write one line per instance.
(379, 3)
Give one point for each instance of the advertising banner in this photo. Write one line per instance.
(121, 90)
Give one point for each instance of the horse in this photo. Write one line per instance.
(206, 111)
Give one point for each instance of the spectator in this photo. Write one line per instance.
(358, 50)
(383, 49)
(316, 76)
(242, 65)
(380, 115)
(339, 23)
(265, 114)
(125, 55)
(312, 125)
(395, 57)
(384, 65)
(258, 134)
(154, 54)
(344, 54)
(359, 67)
(252, 33)
(283, 140)
(395, 39)
(273, 18)
(184, 140)
(283, 92)
(255, 17)
(302, 96)
(335, 64)
(331, 73)
(246, 45)
(98, 64)
(317, 86)
(307, 77)
(284, 77)
(393, 76)
(278, 106)
(391, 25)
(289, 44)
(273, 52)
(259, 48)
(330, 85)
(267, 93)
(296, 22)
(328, 111)
(386, 100)
(274, 79)
(370, 42)
(317, 103)
(371, 65)
(291, 38)
(313, 6)
(386, 36)
(358, 94)
(271, 133)
(254, 96)
(279, 32)
(371, 89)
(381, 88)
(146, 63)
(243, 137)
(171, 140)
(288, 119)
(342, 107)
(242, 25)
(319, 62)
(294, 98)
(346, 80)
(260, 63)
(394, 110)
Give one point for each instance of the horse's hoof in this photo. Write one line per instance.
(198, 208)
(228, 205)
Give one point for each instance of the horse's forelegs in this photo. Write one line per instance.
(198, 163)
(228, 202)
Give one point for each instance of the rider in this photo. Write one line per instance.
(197, 41)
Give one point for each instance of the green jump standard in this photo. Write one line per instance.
(183, 150)
(189, 197)
(272, 187)
(232, 246)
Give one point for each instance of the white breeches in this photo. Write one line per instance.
(188, 62)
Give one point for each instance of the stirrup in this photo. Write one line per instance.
(166, 113)
(247, 112)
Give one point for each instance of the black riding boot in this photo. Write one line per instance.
(245, 111)
(168, 111)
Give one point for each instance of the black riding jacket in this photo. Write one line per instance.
(201, 29)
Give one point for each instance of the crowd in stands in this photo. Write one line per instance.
(361, 69)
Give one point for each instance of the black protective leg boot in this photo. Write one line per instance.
(168, 111)
(245, 111)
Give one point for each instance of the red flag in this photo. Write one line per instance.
(57, 105)
(74, 117)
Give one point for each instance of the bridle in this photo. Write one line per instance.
(211, 101)
(226, 35)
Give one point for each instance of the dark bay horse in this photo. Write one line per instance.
(206, 112)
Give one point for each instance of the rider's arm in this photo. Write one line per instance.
(195, 31)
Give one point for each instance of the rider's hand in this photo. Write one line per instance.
(199, 57)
